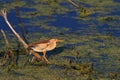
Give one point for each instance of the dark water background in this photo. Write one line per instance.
(104, 62)
(69, 20)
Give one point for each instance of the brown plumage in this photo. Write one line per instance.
(44, 46)
(33, 44)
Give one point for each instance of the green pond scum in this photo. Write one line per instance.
(78, 58)
(90, 52)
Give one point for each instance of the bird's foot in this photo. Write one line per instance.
(45, 60)
(48, 62)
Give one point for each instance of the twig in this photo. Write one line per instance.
(10, 52)
(4, 14)
(73, 3)
(6, 40)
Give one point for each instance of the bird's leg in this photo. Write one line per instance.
(33, 59)
(30, 55)
(38, 57)
(44, 57)
(28, 60)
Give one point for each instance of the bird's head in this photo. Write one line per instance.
(56, 40)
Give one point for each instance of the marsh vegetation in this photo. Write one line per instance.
(91, 34)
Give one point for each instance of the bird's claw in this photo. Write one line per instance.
(48, 62)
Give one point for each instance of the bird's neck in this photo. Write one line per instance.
(51, 46)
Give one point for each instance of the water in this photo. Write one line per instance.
(103, 61)
(67, 21)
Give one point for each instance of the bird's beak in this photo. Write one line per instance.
(60, 40)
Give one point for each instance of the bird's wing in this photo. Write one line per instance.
(40, 47)
(47, 44)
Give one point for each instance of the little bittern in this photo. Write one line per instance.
(35, 47)
(44, 46)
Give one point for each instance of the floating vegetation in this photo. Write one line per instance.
(90, 50)
(84, 12)
(85, 61)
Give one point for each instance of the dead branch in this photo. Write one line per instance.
(6, 40)
(9, 53)
(73, 3)
(4, 14)
(24, 31)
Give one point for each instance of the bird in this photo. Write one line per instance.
(44, 46)
(33, 48)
